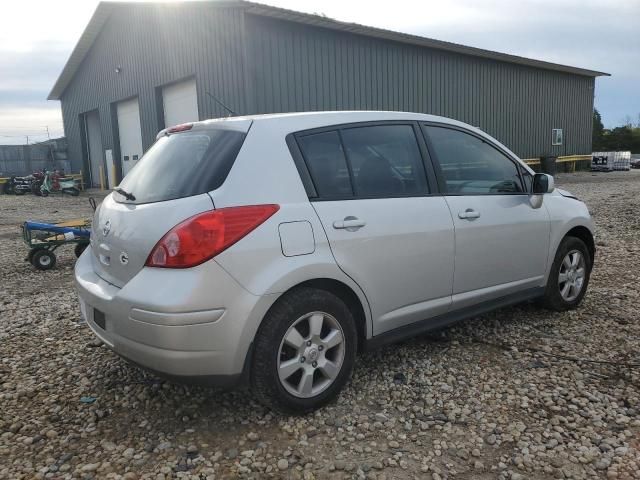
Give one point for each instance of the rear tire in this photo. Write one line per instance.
(312, 330)
(569, 276)
(79, 248)
(43, 259)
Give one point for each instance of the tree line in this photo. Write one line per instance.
(626, 137)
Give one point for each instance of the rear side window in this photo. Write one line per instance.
(385, 160)
(327, 164)
(364, 162)
(470, 166)
(182, 165)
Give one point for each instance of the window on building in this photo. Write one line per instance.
(471, 166)
(556, 136)
(327, 164)
(385, 160)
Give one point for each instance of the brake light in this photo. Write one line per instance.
(206, 235)
(180, 128)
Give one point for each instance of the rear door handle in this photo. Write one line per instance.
(469, 214)
(349, 223)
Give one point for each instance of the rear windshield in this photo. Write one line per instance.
(182, 165)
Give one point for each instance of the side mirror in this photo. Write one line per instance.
(542, 183)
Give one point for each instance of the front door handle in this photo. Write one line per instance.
(469, 214)
(349, 223)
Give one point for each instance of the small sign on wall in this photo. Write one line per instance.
(556, 136)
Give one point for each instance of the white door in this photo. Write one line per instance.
(501, 240)
(94, 147)
(180, 102)
(130, 134)
(385, 231)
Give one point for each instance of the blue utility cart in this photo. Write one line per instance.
(44, 238)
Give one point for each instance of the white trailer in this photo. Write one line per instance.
(609, 161)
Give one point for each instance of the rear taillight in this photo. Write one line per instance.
(207, 234)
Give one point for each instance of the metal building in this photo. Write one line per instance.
(140, 67)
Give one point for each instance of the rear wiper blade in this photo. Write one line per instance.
(125, 194)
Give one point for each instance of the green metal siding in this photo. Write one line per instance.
(256, 64)
(155, 46)
(295, 67)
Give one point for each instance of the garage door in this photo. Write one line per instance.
(94, 147)
(180, 102)
(130, 133)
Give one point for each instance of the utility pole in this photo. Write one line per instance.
(53, 157)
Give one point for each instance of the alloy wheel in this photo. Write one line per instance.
(572, 275)
(311, 354)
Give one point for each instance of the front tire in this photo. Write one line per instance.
(569, 276)
(304, 351)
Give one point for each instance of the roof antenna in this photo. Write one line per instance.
(231, 112)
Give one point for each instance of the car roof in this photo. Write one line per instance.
(281, 124)
(296, 121)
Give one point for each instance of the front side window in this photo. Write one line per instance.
(527, 179)
(471, 166)
(385, 160)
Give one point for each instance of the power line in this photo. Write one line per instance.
(47, 132)
(18, 127)
(23, 134)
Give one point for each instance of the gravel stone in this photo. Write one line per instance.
(518, 393)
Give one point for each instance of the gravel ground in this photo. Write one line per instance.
(521, 393)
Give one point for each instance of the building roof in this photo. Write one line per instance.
(104, 10)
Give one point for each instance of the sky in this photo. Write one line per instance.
(37, 37)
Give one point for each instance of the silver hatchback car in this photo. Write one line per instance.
(270, 249)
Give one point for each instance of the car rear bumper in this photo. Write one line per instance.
(194, 324)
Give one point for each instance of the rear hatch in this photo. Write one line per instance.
(168, 185)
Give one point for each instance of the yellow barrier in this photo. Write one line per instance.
(567, 158)
(77, 177)
(113, 176)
